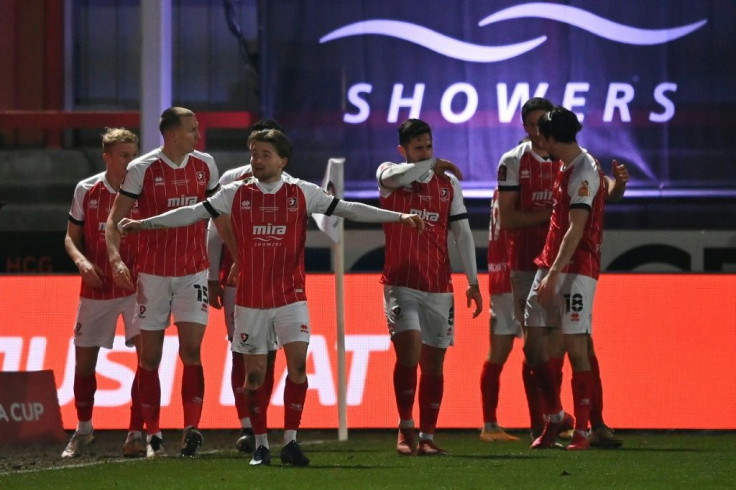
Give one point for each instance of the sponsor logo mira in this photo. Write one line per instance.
(426, 215)
(176, 202)
(268, 235)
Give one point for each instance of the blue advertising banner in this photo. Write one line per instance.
(654, 83)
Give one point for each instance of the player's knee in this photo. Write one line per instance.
(254, 379)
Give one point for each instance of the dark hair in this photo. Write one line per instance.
(277, 138)
(535, 104)
(561, 124)
(412, 128)
(262, 124)
(171, 118)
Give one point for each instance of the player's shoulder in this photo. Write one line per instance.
(237, 173)
(515, 154)
(205, 157)
(586, 163)
(89, 182)
(145, 160)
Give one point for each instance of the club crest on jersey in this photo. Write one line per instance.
(245, 204)
(444, 194)
(292, 204)
(584, 190)
(200, 176)
(501, 177)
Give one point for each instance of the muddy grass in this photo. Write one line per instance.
(108, 445)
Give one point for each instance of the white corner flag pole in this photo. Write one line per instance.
(339, 259)
(333, 227)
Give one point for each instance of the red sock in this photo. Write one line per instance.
(582, 389)
(136, 415)
(431, 389)
(84, 396)
(546, 384)
(596, 407)
(490, 384)
(192, 394)
(237, 380)
(555, 366)
(149, 387)
(294, 396)
(533, 399)
(405, 386)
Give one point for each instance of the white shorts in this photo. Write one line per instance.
(521, 285)
(159, 297)
(97, 320)
(503, 320)
(432, 314)
(259, 330)
(573, 306)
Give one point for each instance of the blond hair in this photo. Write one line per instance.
(113, 136)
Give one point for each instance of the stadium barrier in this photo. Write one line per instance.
(29, 408)
(56, 121)
(665, 344)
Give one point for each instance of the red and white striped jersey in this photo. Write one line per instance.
(160, 185)
(533, 177)
(269, 222)
(580, 185)
(93, 198)
(499, 275)
(414, 260)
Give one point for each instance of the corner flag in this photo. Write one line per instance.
(334, 184)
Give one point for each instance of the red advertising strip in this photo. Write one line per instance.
(29, 410)
(664, 343)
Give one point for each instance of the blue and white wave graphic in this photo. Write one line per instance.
(465, 51)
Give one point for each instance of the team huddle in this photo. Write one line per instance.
(138, 233)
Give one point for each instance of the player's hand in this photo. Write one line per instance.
(127, 225)
(473, 295)
(91, 273)
(232, 277)
(412, 220)
(215, 293)
(121, 276)
(547, 288)
(441, 166)
(620, 173)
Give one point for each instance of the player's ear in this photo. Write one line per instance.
(401, 150)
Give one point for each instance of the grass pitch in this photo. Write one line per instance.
(368, 460)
